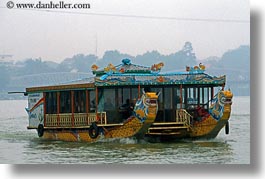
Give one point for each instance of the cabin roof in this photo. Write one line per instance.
(85, 83)
(130, 74)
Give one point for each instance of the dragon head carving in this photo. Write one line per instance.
(146, 107)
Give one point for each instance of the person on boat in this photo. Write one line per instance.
(126, 109)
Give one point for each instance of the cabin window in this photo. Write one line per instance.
(192, 98)
(168, 98)
(177, 99)
(101, 100)
(134, 95)
(110, 104)
(65, 102)
(125, 95)
(116, 102)
(109, 96)
(119, 97)
(179, 96)
(51, 102)
(169, 110)
(206, 95)
(211, 93)
(201, 92)
(80, 101)
(92, 101)
(126, 103)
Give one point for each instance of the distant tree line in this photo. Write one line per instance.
(231, 60)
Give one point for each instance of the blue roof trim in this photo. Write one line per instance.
(158, 79)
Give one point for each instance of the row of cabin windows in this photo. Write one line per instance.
(174, 98)
(110, 99)
(187, 97)
(64, 101)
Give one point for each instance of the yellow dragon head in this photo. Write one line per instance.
(146, 107)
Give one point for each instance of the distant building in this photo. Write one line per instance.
(6, 60)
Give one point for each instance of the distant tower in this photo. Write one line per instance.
(6, 59)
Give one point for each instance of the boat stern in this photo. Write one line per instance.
(221, 111)
(35, 110)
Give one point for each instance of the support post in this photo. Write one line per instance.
(212, 94)
(181, 96)
(96, 110)
(73, 108)
(58, 108)
(139, 91)
(44, 109)
(87, 105)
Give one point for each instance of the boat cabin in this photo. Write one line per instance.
(110, 96)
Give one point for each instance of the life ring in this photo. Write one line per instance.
(40, 130)
(93, 131)
(227, 128)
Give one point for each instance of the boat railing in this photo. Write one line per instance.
(74, 119)
(182, 116)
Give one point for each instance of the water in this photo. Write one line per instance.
(19, 145)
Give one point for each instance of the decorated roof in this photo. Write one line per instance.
(158, 79)
(126, 67)
(131, 74)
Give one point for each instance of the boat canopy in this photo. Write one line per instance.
(131, 74)
(128, 74)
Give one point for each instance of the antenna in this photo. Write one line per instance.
(96, 50)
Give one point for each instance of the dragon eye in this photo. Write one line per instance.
(223, 99)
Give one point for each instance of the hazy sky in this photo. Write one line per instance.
(55, 36)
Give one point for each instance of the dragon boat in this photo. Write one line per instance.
(129, 100)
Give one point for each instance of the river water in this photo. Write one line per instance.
(21, 146)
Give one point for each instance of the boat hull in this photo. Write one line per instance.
(207, 128)
(128, 129)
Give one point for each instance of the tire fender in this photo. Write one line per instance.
(40, 130)
(93, 131)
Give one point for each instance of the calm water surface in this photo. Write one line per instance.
(19, 145)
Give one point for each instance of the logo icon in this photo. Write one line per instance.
(10, 4)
